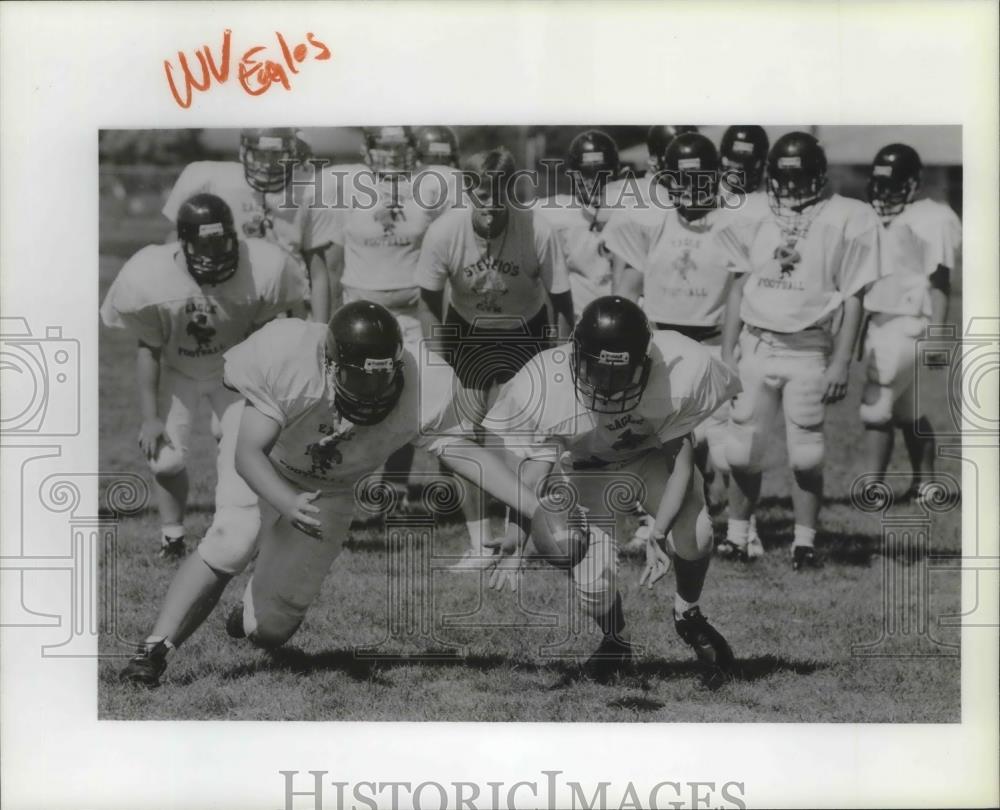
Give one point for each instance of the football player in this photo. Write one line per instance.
(614, 411)
(579, 219)
(670, 261)
(324, 406)
(803, 267)
(658, 138)
(742, 157)
(437, 146)
(503, 267)
(270, 191)
(922, 244)
(186, 303)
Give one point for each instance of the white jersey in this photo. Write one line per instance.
(158, 302)
(281, 370)
(288, 218)
(800, 277)
(580, 229)
(686, 277)
(383, 223)
(508, 275)
(924, 236)
(539, 417)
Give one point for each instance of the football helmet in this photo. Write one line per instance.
(364, 362)
(895, 179)
(390, 150)
(743, 153)
(658, 139)
(208, 238)
(269, 156)
(437, 146)
(796, 172)
(690, 172)
(592, 162)
(611, 363)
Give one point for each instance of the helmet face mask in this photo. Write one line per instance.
(390, 150)
(690, 173)
(364, 362)
(208, 239)
(269, 157)
(743, 152)
(437, 146)
(796, 173)
(895, 179)
(658, 138)
(591, 164)
(610, 363)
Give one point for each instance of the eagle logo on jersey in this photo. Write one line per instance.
(628, 440)
(683, 264)
(199, 328)
(324, 454)
(787, 257)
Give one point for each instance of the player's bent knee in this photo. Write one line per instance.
(806, 450)
(229, 543)
(595, 576)
(694, 543)
(743, 450)
(168, 463)
(273, 631)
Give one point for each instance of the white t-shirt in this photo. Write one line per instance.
(926, 234)
(508, 275)
(157, 301)
(801, 279)
(281, 371)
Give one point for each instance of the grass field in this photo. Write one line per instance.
(793, 633)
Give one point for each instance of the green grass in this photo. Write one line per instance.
(792, 632)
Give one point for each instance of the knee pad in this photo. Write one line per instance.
(804, 412)
(230, 541)
(876, 405)
(806, 448)
(744, 446)
(595, 576)
(168, 462)
(717, 435)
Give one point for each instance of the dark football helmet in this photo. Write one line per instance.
(437, 146)
(269, 156)
(658, 139)
(208, 238)
(365, 361)
(611, 362)
(743, 153)
(895, 179)
(591, 163)
(390, 150)
(690, 172)
(796, 172)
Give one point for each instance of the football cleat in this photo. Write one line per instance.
(234, 622)
(614, 656)
(146, 666)
(712, 649)
(805, 557)
(733, 551)
(172, 549)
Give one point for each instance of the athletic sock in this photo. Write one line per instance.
(681, 606)
(152, 641)
(804, 536)
(737, 531)
(479, 533)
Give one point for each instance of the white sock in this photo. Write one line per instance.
(681, 606)
(737, 531)
(152, 641)
(804, 536)
(479, 533)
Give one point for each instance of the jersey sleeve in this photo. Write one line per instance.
(519, 419)
(944, 242)
(862, 261)
(551, 259)
(249, 370)
(286, 290)
(191, 182)
(627, 239)
(711, 384)
(432, 266)
(124, 307)
(439, 420)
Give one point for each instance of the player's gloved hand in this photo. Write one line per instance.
(300, 514)
(509, 559)
(835, 382)
(657, 561)
(151, 434)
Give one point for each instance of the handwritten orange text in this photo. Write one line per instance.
(257, 70)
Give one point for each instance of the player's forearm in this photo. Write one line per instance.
(319, 293)
(848, 333)
(485, 467)
(147, 363)
(676, 489)
(256, 469)
(627, 282)
(334, 278)
(433, 301)
(733, 323)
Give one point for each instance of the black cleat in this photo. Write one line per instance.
(732, 551)
(172, 549)
(234, 622)
(712, 649)
(146, 666)
(614, 656)
(805, 557)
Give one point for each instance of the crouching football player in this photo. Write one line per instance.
(619, 407)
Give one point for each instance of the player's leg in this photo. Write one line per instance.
(225, 551)
(918, 435)
(751, 416)
(178, 400)
(290, 570)
(876, 410)
(804, 414)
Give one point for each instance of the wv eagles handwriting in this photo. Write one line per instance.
(257, 70)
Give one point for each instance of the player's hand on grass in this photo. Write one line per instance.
(508, 559)
(657, 561)
(151, 434)
(300, 513)
(835, 382)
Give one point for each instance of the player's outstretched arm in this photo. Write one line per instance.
(147, 365)
(733, 323)
(257, 435)
(840, 360)
(681, 454)
(327, 295)
(486, 467)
